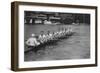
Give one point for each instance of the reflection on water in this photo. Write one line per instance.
(74, 47)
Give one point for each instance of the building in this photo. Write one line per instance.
(55, 18)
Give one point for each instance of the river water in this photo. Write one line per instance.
(76, 46)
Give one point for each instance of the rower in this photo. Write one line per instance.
(56, 34)
(49, 35)
(32, 41)
(62, 32)
(42, 37)
(53, 35)
(66, 31)
(70, 30)
(59, 33)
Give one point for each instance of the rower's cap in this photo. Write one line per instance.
(33, 35)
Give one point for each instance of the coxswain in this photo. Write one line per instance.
(32, 41)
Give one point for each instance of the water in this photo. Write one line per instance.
(75, 47)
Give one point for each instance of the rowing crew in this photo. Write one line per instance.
(43, 38)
